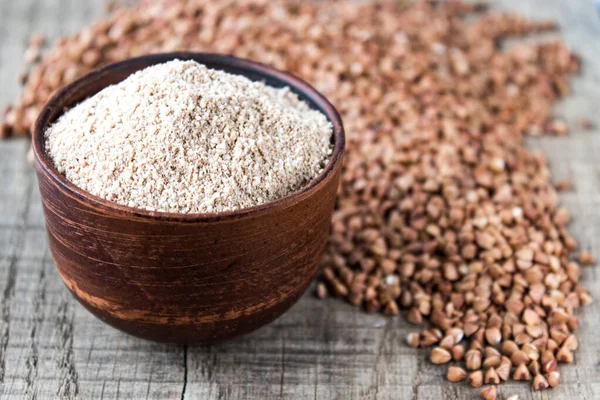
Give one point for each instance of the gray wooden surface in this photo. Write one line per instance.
(50, 347)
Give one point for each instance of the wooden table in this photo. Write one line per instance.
(50, 347)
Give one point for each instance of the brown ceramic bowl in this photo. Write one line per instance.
(185, 278)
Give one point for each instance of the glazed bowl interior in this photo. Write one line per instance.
(186, 278)
(87, 86)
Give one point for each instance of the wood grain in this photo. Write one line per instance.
(49, 345)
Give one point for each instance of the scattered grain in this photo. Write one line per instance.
(564, 185)
(321, 291)
(586, 258)
(553, 378)
(439, 355)
(539, 382)
(522, 373)
(491, 377)
(475, 378)
(488, 393)
(456, 374)
(473, 359)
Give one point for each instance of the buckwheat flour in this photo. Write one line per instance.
(180, 137)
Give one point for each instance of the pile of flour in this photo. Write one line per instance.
(179, 137)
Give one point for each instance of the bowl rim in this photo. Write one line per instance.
(317, 100)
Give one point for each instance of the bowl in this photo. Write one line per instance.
(185, 278)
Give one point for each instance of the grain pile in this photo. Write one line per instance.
(179, 137)
(442, 211)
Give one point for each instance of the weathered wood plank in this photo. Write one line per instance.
(51, 347)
